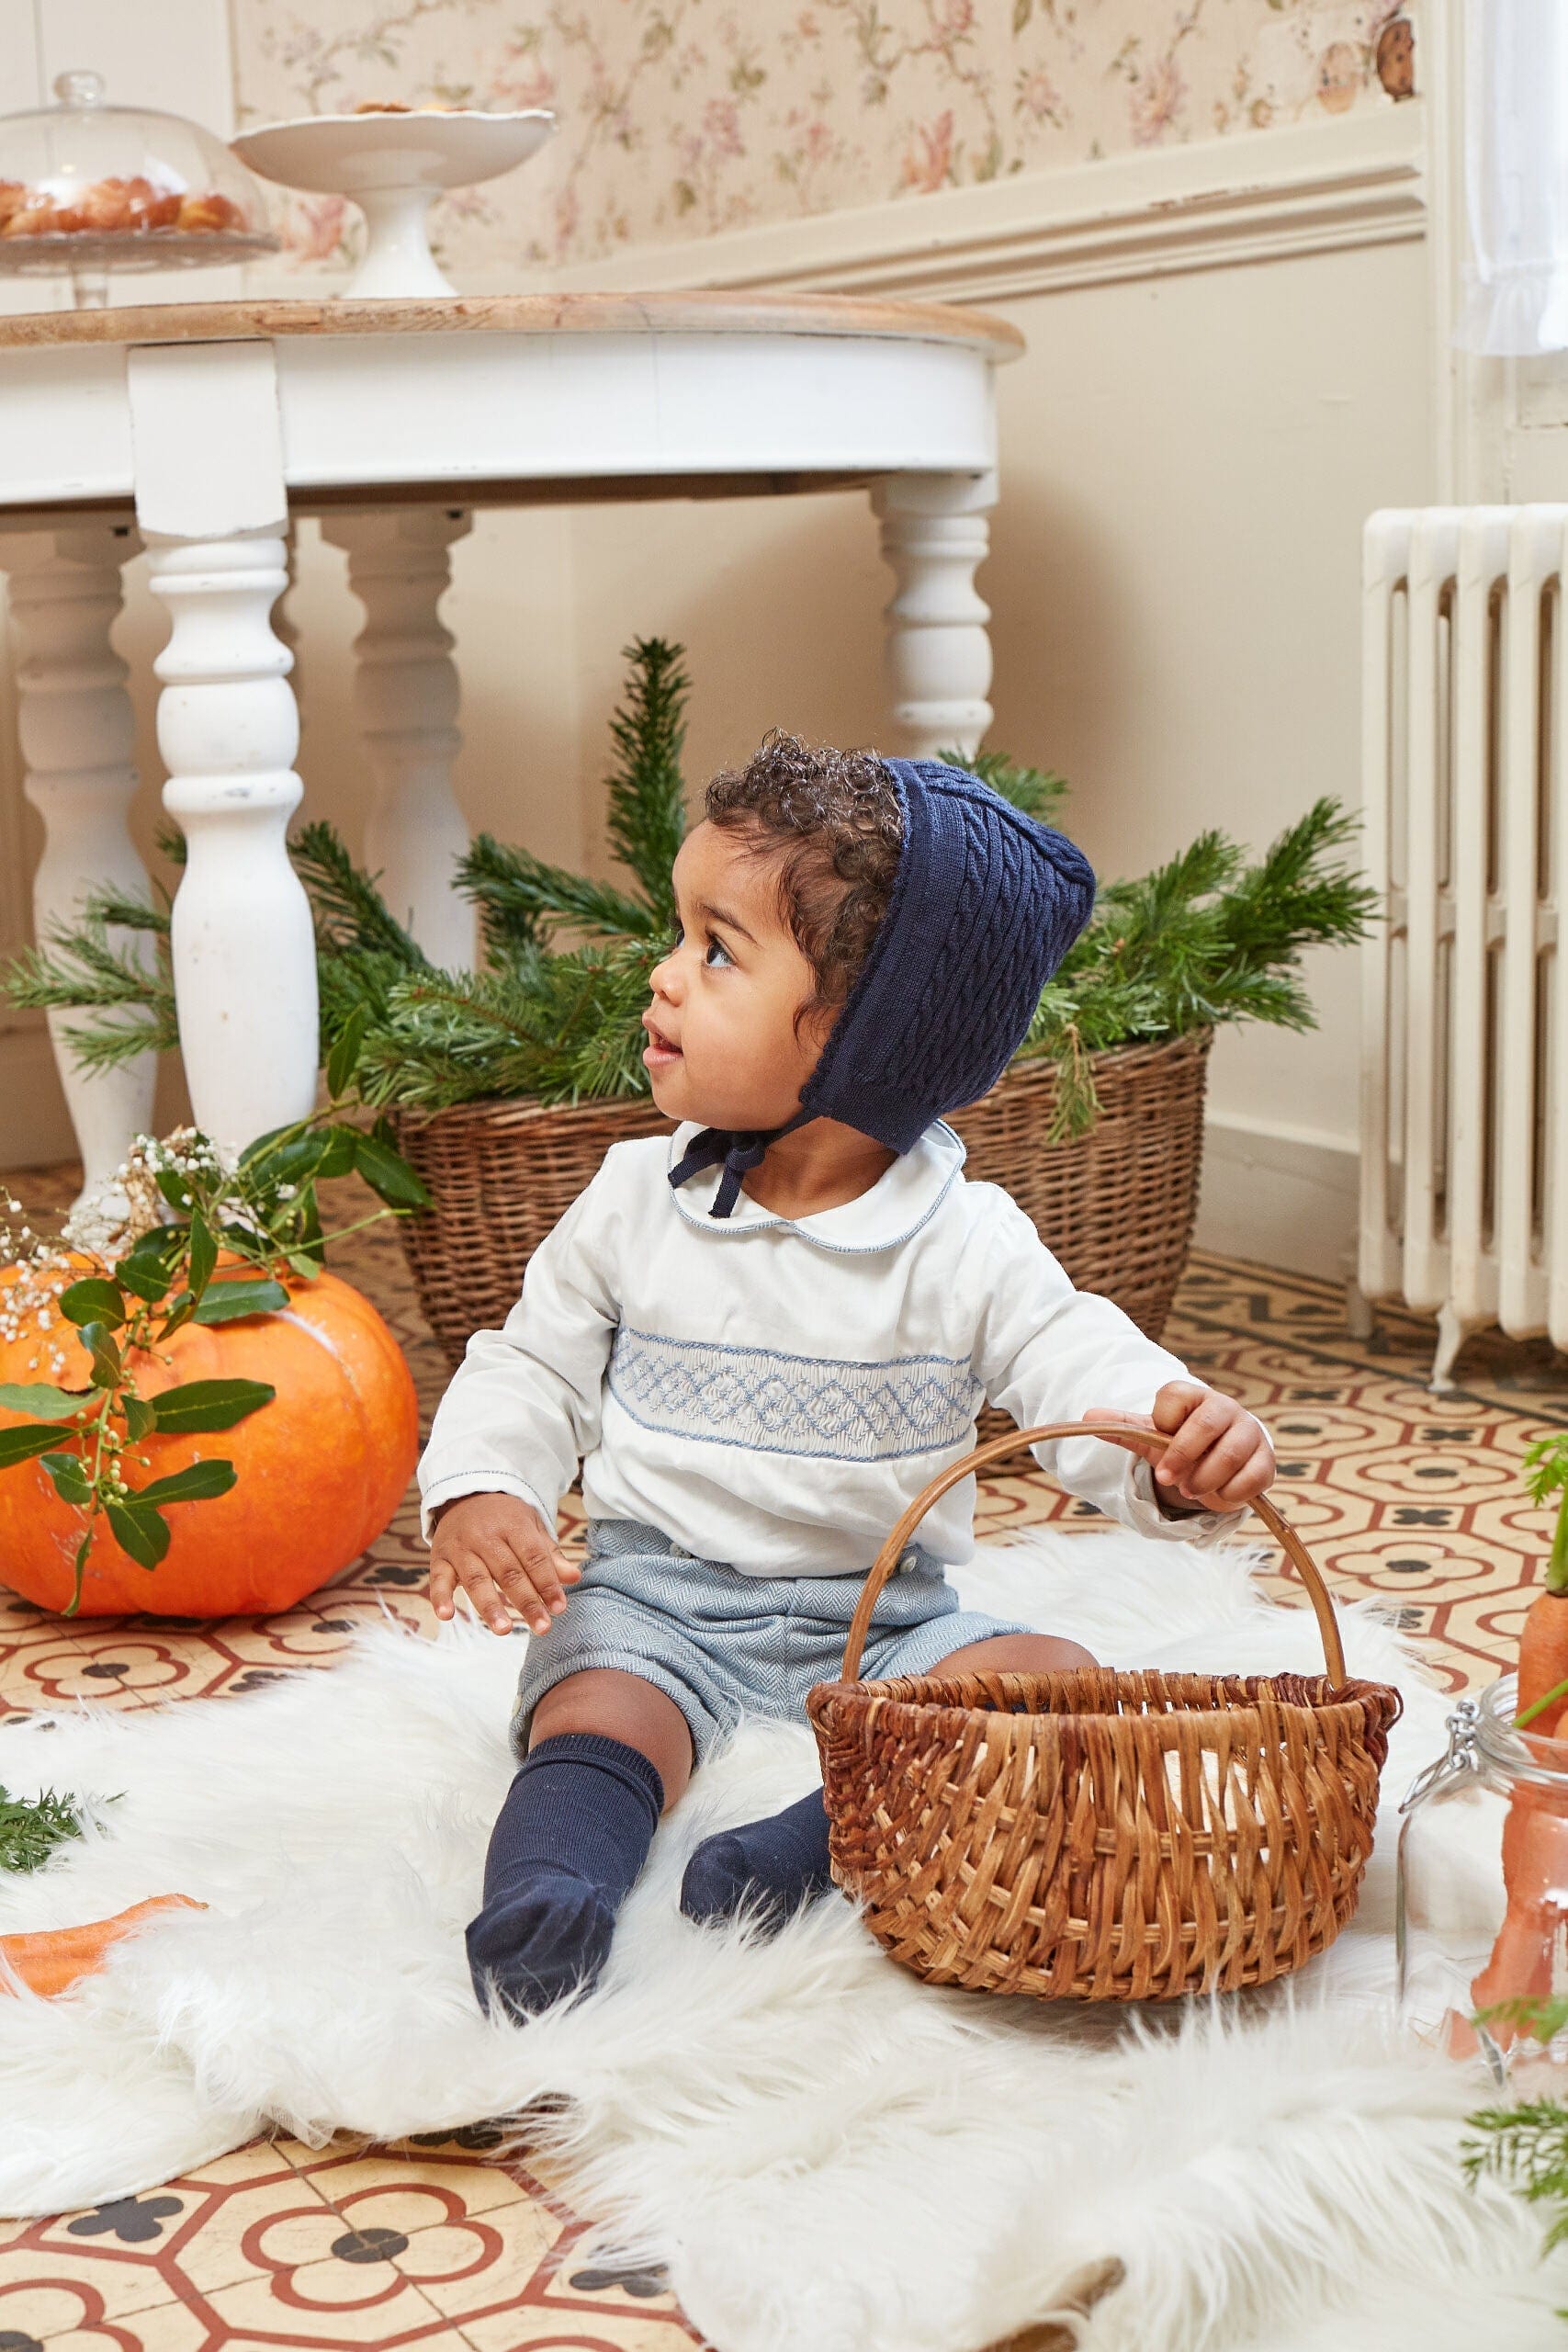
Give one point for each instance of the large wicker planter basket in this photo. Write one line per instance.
(1097, 1836)
(1115, 1205)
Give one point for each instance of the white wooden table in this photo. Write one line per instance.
(194, 430)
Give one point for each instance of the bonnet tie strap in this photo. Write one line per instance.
(740, 1150)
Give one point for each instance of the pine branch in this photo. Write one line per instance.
(31, 1828)
(559, 1028)
(1203, 940)
(349, 910)
(1039, 792)
(524, 902)
(80, 967)
(648, 798)
(1293, 899)
(1526, 2147)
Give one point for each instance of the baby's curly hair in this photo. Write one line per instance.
(836, 820)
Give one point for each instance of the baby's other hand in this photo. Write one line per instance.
(1205, 1448)
(499, 1549)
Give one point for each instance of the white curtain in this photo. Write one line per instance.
(1515, 171)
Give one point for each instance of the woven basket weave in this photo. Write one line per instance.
(500, 1174)
(1115, 1205)
(1101, 1836)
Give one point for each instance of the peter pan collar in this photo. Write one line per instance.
(897, 1204)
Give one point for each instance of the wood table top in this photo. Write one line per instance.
(702, 313)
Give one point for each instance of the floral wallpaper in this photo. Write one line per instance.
(681, 118)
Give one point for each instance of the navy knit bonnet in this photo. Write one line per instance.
(985, 904)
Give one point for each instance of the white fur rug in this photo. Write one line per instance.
(829, 2157)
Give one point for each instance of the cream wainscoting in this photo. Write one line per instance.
(1308, 189)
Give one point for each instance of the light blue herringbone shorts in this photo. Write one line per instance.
(724, 1645)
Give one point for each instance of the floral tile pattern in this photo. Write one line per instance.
(679, 117)
(438, 2244)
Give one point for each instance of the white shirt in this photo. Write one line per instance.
(774, 1392)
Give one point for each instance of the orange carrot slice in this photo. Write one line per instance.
(49, 1962)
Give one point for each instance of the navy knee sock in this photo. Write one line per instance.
(766, 1867)
(570, 1840)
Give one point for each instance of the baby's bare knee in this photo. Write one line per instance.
(1021, 1653)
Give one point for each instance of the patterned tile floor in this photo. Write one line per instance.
(1413, 1498)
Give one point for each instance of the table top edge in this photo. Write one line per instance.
(702, 312)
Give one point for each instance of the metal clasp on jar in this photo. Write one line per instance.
(1461, 1756)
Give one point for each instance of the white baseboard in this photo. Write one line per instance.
(1257, 196)
(1279, 1196)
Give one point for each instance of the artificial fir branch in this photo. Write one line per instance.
(1039, 792)
(560, 1028)
(348, 910)
(524, 900)
(1202, 940)
(80, 967)
(31, 1828)
(648, 797)
(1526, 2146)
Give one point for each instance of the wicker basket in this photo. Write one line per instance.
(1101, 1836)
(500, 1175)
(1116, 1206)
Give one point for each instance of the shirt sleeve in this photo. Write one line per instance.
(523, 1406)
(1048, 1352)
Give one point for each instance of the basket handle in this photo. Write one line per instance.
(994, 1451)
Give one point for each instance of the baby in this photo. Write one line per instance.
(764, 1337)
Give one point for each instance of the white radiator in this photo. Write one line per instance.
(1464, 1071)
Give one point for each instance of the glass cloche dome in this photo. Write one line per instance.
(87, 187)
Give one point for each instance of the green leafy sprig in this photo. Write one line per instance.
(210, 1245)
(1526, 2146)
(1205, 938)
(31, 1828)
(82, 966)
(525, 902)
(1546, 1475)
(559, 1028)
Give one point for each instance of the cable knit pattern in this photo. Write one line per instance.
(985, 905)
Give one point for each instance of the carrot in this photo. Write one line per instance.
(1543, 1661)
(51, 1962)
(1533, 1937)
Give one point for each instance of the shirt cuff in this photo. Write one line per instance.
(478, 1482)
(1180, 1527)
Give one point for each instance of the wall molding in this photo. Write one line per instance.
(1313, 188)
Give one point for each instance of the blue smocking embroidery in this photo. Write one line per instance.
(784, 1404)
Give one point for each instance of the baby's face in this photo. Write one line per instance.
(723, 1044)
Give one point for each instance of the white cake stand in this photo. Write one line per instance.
(393, 166)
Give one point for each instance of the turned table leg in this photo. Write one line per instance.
(77, 735)
(939, 655)
(214, 508)
(242, 943)
(405, 691)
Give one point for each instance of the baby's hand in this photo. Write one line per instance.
(499, 1549)
(1205, 1448)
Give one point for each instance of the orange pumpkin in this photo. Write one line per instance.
(320, 1469)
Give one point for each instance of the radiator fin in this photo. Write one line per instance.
(1464, 1093)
